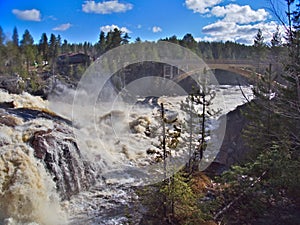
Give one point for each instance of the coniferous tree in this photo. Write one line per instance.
(2, 50)
(202, 96)
(276, 38)
(2, 37)
(43, 47)
(138, 40)
(101, 45)
(269, 182)
(27, 48)
(53, 51)
(259, 49)
(65, 48)
(125, 39)
(116, 40)
(15, 37)
(277, 52)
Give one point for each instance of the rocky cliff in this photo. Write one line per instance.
(233, 149)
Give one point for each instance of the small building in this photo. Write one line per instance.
(73, 58)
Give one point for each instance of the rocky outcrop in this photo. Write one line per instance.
(11, 83)
(51, 139)
(233, 149)
(58, 150)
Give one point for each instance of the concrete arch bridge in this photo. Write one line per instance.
(245, 68)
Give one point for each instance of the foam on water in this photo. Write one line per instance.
(115, 139)
(27, 192)
(24, 100)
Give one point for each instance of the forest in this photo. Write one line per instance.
(262, 189)
(25, 57)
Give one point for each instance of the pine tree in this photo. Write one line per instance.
(125, 39)
(101, 44)
(2, 50)
(138, 40)
(260, 49)
(269, 183)
(202, 96)
(116, 39)
(65, 48)
(27, 48)
(43, 47)
(276, 39)
(259, 40)
(2, 37)
(53, 51)
(15, 37)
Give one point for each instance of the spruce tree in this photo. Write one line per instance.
(259, 50)
(43, 47)
(15, 37)
(27, 48)
(53, 51)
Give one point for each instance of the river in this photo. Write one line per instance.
(123, 158)
(121, 142)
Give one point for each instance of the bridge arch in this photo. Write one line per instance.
(244, 68)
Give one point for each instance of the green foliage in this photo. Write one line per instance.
(263, 122)
(53, 50)
(202, 96)
(28, 49)
(180, 199)
(257, 190)
(15, 37)
(173, 201)
(266, 189)
(259, 40)
(44, 47)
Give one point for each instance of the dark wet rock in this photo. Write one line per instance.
(150, 101)
(30, 114)
(11, 84)
(58, 150)
(233, 149)
(9, 120)
(7, 105)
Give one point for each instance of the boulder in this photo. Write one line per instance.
(58, 150)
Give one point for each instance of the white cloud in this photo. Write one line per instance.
(31, 15)
(62, 27)
(238, 24)
(231, 31)
(106, 7)
(156, 29)
(108, 28)
(201, 6)
(239, 14)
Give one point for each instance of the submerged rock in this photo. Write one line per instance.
(59, 151)
(53, 143)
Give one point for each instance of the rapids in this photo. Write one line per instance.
(55, 172)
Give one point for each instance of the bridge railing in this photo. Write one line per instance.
(230, 61)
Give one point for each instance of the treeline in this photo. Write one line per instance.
(21, 56)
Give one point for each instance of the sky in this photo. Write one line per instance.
(80, 20)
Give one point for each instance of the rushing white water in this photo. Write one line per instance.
(27, 191)
(24, 100)
(118, 132)
(119, 147)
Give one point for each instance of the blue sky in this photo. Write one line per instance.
(80, 20)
